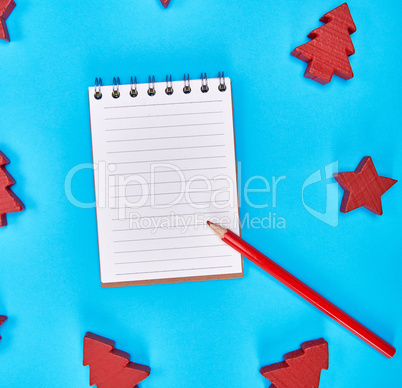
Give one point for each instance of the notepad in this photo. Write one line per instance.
(164, 163)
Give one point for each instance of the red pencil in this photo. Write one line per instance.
(303, 290)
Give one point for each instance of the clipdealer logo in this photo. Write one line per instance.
(331, 214)
(257, 192)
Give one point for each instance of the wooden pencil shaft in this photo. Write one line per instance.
(307, 293)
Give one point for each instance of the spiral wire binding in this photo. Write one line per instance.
(187, 88)
(151, 85)
(151, 89)
(98, 88)
(116, 87)
(204, 83)
(169, 86)
(222, 82)
(133, 89)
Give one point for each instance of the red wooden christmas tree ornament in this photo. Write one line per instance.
(109, 367)
(6, 7)
(363, 187)
(3, 318)
(301, 368)
(165, 3)
(328, 51)
(9, 202)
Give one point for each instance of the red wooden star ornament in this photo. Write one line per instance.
(165, 3)
(363, 187)
(301, 368)
(6, 7)
(328, 51)
(3, 318)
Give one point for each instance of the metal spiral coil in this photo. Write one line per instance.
(186, 88)
(98, 88)
(222, 82)
(116, 87)
(204, 83)
(151, 88)
(133, 89)
(169, 86)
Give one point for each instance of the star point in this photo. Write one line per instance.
(6, 7)
(165, 3)
(3, 318)
(363, 187)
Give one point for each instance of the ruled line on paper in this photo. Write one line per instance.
(169, 182)
(180, 204)
(185, 258)
(180, 226)
(185, 203)
(168, 193)
(167, 149)
(163, 126)
(165, 238)
(170, 160)
(167, 115)
(165, 172)
(174, 270)
(171, 249)
(164, 104)
(165, 137)
(159, 227)
(172, 215)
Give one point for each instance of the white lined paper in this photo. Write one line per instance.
(163, 166)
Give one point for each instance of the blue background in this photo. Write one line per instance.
(217, 333)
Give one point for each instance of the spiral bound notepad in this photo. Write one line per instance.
(164, 164)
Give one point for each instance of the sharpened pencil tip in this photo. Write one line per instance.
(217, 229)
